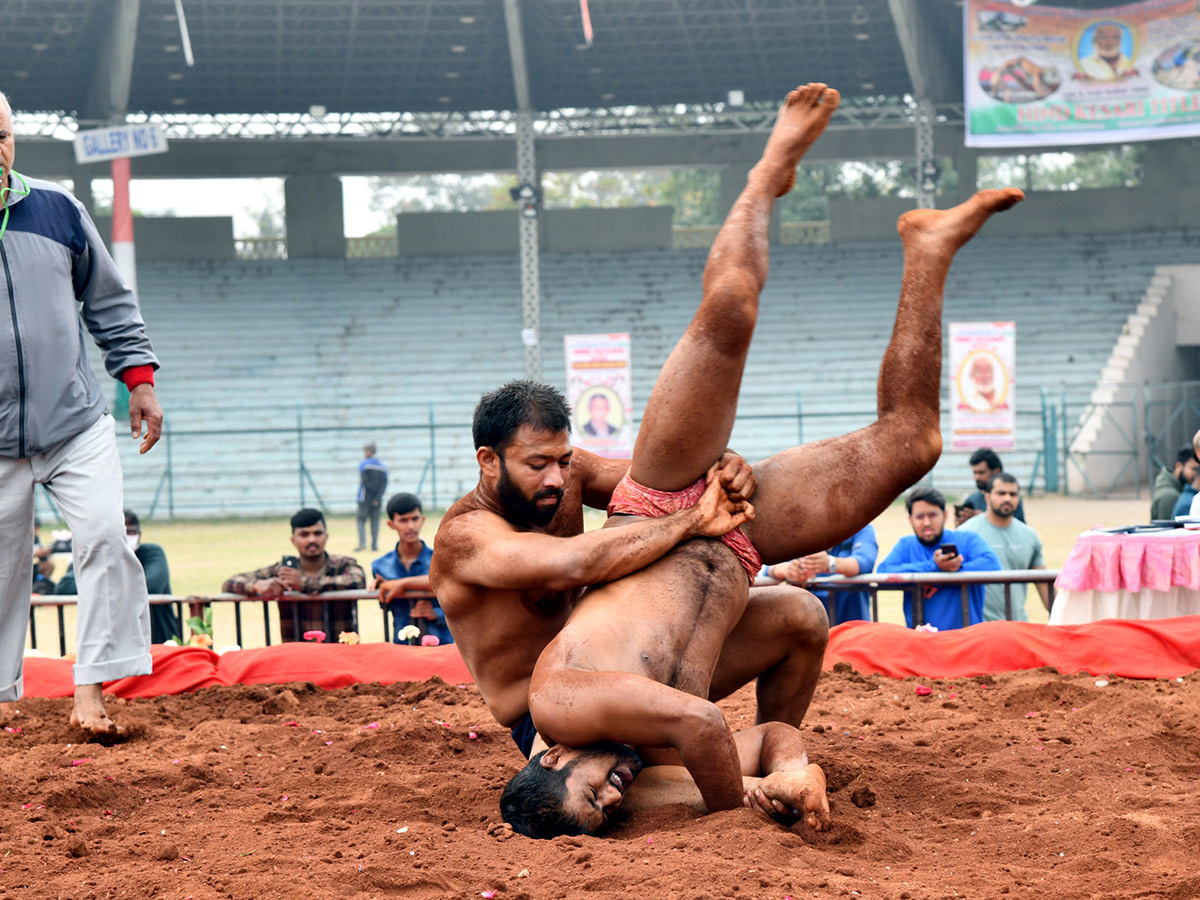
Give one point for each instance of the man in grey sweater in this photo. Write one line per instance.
(55, 429)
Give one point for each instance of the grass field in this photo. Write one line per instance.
(203, 553)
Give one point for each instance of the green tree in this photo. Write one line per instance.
(449, 192)
(1089, 169)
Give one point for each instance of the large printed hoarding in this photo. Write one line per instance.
(1043, 75)
(600, 391)
(983, 406)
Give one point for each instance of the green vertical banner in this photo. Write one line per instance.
(1045, 75)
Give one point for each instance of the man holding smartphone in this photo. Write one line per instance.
(312, 572)
(931, 548)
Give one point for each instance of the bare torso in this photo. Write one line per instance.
(666, 622)
(500, 633)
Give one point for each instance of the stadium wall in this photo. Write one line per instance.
(563, 231)
(177, 237)
(1150, 350)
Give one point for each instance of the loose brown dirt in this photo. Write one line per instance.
(1026, 784)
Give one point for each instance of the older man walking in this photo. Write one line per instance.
(55, 428)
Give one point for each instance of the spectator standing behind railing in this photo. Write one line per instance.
(372, 484)
(60, 284)
(1015, 543)
(1194, 510)
(1187, 497)
(405, 571)
(984, 465)
(314, 572)
(928, 549)
(854, 556)
(1170, 483)
(163, 624)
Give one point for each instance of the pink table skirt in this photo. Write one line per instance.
(1156, 561)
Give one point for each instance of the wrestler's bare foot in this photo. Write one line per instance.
(802, 118)
(88, 712)
(789, 797)
(942, 231)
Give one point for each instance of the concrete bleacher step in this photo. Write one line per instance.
(367, 346)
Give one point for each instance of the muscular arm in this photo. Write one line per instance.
(578, 708)
(484, 550)
(763, 750)
(600, 476)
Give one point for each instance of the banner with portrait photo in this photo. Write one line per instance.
(1044, 75)
(600, 391)
(983, 408)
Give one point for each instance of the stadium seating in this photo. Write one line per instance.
(373, 349)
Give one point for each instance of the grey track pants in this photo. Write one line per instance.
(83, 475)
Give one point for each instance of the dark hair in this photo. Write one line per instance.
(500, 413)
(399, 504)
(307, 517)
(986, 455)
(131, 520)
(1186, 455)
(926, 493)
(532, 802)
(1004, 477)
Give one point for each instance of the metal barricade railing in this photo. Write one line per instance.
(908, 581)
(195, 605)
(873, 583)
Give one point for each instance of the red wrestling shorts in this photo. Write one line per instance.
(633, 499)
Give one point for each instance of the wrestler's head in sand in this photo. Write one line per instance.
(565, 791)
(523, 445)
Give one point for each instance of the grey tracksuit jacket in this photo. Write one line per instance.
(56, 277)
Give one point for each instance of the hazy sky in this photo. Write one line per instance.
(239, 197)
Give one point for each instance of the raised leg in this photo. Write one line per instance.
(691, 410)
(811, 497)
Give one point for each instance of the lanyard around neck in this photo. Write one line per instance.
(5, 190)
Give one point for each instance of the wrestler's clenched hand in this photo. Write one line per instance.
(716, 512)
(737, 476)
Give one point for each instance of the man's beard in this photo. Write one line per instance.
(524, 511)
(936, 539)
(1004, 512)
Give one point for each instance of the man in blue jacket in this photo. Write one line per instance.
(55, 428)
(926, 550)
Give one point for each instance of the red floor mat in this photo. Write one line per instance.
(1162, 648)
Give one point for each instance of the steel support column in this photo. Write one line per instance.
(531, 288)
(923, 122)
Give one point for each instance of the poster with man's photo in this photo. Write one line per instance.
(600, 391)
(1042, 75)
(983, 407)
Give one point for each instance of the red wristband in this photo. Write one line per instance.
(135, 375)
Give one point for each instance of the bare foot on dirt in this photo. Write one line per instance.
(88, 713)
(802, 118)
(790, 797)
(943, 231)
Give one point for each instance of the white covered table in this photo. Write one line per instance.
(1144, 575)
